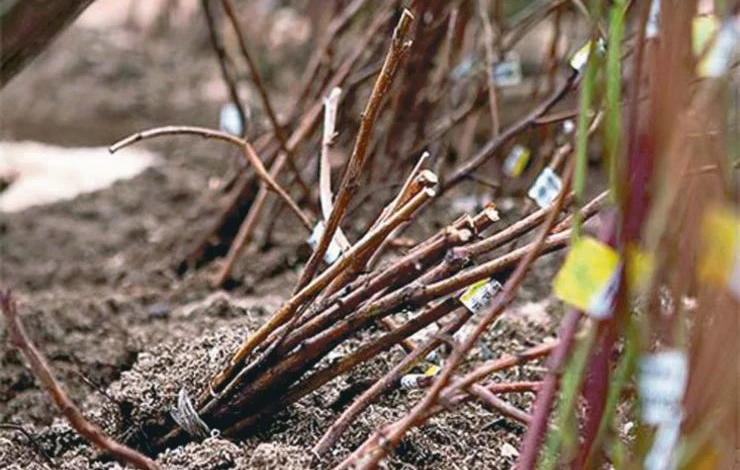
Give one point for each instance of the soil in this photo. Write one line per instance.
(98, 294)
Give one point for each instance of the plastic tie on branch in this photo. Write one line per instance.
(662, 379)
(187, 418)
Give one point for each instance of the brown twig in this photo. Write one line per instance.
(226, 66)
(530, 17)
(249, 155)
(417, 177)
(327, 141)
(415, 184)
(488, 44)
(497, 404)
(455, 394)
(28, 29)
(66, 406)
(324, 342)
(357, 159)
(257, 79)
(337, 25)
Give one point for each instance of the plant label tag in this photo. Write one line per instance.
(508, 72)
(718, 59)
(640, 266)
(230, 121)
(479, 295)
(703, 29)
(333, 252)
(579, 59)
(432, 370)
(462, 70)
(719, 260)
(412, 381)
(517, 161)
(569, 126)
(662, 453)
(546, 188)
(652, 25)
(589, 278)
(662, 379)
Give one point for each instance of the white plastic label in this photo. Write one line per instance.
(411, 381)
(546, 188)
(462, 69)
(661, 455)
(718, 59)
(333, 252)
(508, 72)
(651, 28)
(230, 121)
(602, 304)
(569, 126)
(662, 382)
(479, 295)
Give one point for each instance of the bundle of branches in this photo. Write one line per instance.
(344, 288)
(347, 287)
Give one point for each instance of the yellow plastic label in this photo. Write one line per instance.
(517, 161)
(432, 370)
(703, 29)
(719, 261)
(708, 458)
(470, 291)
(640, 266)
(480, 294)
(589, 277)
(580, 58)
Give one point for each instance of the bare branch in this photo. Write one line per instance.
(359, 154)
(66, 406)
